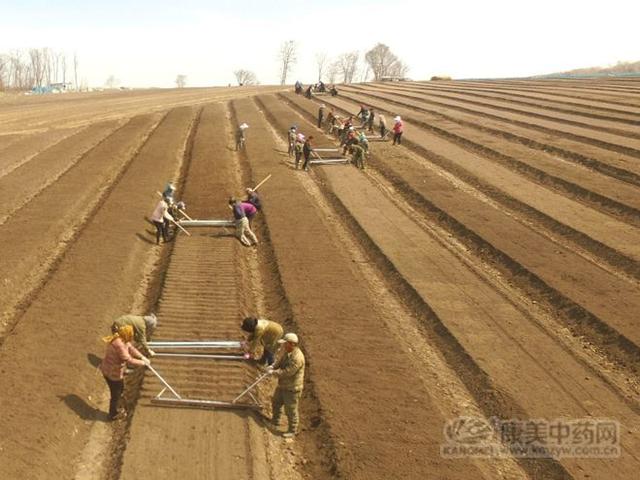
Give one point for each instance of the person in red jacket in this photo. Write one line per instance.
(120, 353)
(398, 128)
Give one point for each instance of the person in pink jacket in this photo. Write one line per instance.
(158, 217)
(398, 128)
(119, 353)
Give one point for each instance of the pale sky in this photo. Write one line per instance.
(146, 43)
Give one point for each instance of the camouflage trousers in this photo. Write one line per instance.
(289, 400)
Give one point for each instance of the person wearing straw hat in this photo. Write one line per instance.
(289, 369)
(143, 327)
(119, 353)
(262, 334)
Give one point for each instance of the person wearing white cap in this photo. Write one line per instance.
(398, 128)
(240, 138)
(289, 369)
(143, 327)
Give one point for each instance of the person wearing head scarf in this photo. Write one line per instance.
(398, 128)
(119, 353)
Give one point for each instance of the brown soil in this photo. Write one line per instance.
(487, 267)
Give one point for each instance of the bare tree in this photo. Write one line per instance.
(347, 64)
(4, 68)
(245, 77)
(63, 67)
(75, 70)
(111, 82)
(181, 81)
(384, 63)
(37, 66)
(334, 70)
(321, 62)
(287, 58)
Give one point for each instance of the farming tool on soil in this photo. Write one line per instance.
(190, 222)
(176, 399)
(327, 160)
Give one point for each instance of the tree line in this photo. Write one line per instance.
(37, 67)
(377, 63)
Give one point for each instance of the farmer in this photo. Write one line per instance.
(119, 353)
(383, 125)
(292, 139)
(169, 192)
(143, 327)
(262, 333)
(158, 217)
(357, 155)
(321, 115)
(307, 92)
(253, 199)
(398, 128)
(242, 223)
(307, 149)
(300, 140)
(372, 115)
(240, 137)
(289, 370)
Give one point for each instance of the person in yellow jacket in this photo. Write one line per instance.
(262, 333)
(289, 369)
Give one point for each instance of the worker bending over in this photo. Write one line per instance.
(143, 327)
(262, 334)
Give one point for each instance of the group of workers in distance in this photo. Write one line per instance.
(316, 88)
(277, 354)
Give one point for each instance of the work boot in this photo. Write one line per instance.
(289, 434)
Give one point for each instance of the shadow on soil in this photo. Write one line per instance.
(83, 409)
(94, 360)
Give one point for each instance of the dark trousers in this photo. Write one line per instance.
(116, 387)
(298, 157)
(383, 131)
(320, 117)
(161, 229)
(267, 358)
(305, 165)
(397, 138)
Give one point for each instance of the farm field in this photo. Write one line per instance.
(489, 266)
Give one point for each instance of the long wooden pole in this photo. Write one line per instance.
(261, 183)
(180, 227)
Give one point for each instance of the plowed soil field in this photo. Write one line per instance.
(486, 269)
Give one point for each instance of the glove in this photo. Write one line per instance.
(270, 370)
(146, 361)
(247, 356)
(152, 353)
